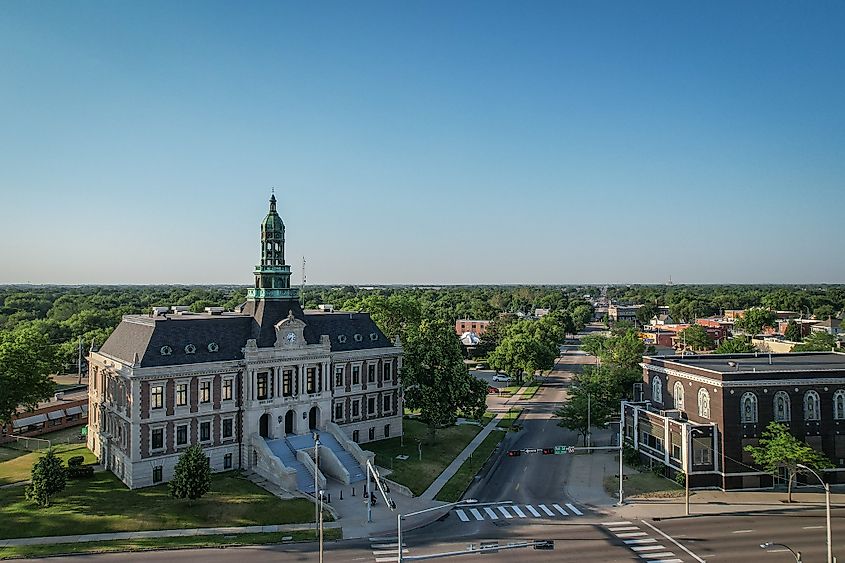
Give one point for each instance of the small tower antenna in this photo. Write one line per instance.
(302, 287)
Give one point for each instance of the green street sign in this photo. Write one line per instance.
(560, 450)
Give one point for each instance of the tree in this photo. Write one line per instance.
(435, 378)
(48, 478)
(816, 342)
(793, 332)
(591, 401)
(26, 359)
(754, 319)
(696, 337)
(520, 354)
(192, 474)
(646, 312)
(778, 448)
(735, 345)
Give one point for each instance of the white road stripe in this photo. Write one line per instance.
(666, 561)
(650, 556)
(559, 509)
(387, 559)
(639, 541)
(623, 529)
(519, 512)
(742, 531)
(631, 534)
(462, 515)
(671, 539)
(387, 553)
(620, 523)
(476, 513)
(648, 547)
(532, 510)
(490, 513)
(393, 545)
(504, 512)
(811, 528)
(546, 510)
(573, 509)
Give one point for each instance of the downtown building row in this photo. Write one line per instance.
(698, 413)
(237, 382)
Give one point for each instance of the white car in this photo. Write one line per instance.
(501, 377)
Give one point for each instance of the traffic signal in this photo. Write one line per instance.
(514, 453)
(548, 451)
(544, 544)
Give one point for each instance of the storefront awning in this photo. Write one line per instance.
(29, 420)
(74, 410)
(54, 415)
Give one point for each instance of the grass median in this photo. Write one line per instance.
(437, 454)
(643, 485)
(455, 487)
(509, 418)
(103, 504)
(184, 542)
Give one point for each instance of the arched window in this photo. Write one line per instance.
(678, 394)
(657, 389)
(811, 406)
(703, 403)
(782, 410)
(748, 408)
(839, 405)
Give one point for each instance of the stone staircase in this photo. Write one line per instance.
(282, 449)
(306, 441)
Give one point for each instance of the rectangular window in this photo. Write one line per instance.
(157, 397)
(157, 439)
(261, 386)
(356, 375)
(371, 373)
(338, 411)
(227, 461)
(158, 474)
(355, 436)
(387, 431)
(386, 403)
(205, 431)
(386, 368)
(227, 428)
(371, 405)
(181, 394)
(311, 380)
(181, 434)
(356, 408)
(287, 383)
(372, 433)
(205, 391)
(227, 389)
(338, 377)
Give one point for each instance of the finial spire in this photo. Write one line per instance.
(272, 200)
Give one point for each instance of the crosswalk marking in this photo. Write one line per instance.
(623, 529)
(630, 534)
(573, 509)
(648, 547)
(385, 551)
(519, 512)
(476, 513)
(532, 510)
(666, 561)
(637, 541)
(560, 509)
(504, 512)
(546, 510)
(462, 515)
(490, 513)
(620, 523)
(650, 556)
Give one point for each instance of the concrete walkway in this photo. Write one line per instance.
(453, 467)
(228, 530)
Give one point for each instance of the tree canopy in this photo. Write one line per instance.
(192, 474)
(816, 342)
(48, 477)
(695, 337)
(736, 345)
(755, 319)
(26, 361)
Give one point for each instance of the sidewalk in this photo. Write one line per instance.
(228, 530)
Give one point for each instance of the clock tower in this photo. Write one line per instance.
(272, 275)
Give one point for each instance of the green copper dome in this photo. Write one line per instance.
(272, 222)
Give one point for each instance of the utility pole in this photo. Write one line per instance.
(79, 363)
(588, 419)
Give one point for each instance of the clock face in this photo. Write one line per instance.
(291, 337)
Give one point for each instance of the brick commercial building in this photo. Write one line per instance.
(66, 409)
(699, 412)
(250, 386)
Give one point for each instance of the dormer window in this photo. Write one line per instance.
(358, 338)
(373, 336)
(190, 349)
(213, 347)
(166, 350)
(341, 338)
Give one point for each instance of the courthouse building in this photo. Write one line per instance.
(699, 412)
(251, 386)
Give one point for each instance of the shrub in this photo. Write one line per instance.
(75, 461)
(48, 478)
(681, 478)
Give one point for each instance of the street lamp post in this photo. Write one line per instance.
(399, 517)
(316, 479)
(688, 465)
(795, 554)
(619, 422)
(827, 510)
(322, 493)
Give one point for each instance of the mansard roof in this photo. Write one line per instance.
(346, 331)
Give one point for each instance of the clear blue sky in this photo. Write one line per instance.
(423, 142)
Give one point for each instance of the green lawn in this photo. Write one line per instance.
(646, 485)
(143, 544)
(509, 418)
(455, 487)
(531, 389)
(17, 467)
(436, 455)
(104, 504)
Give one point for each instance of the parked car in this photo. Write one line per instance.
(501, 377)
